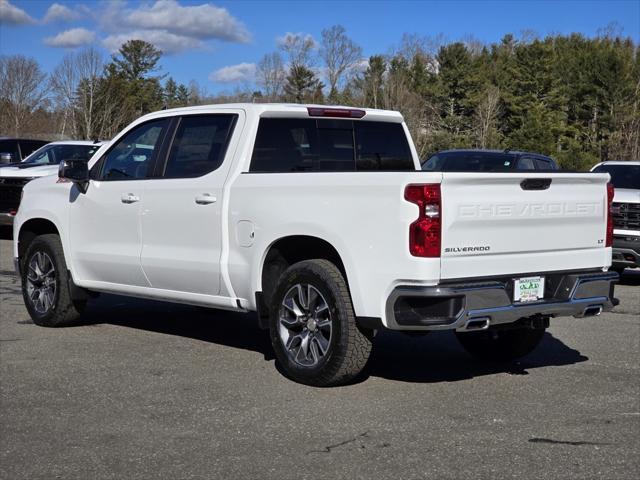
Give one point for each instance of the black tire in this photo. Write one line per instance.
(348, 347)
(497, 345)
(59, 310)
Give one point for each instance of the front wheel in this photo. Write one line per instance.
(501, 345)
(313, 328)
(45, 284)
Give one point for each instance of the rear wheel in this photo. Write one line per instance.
(501, 345)
(313, 328)
(45, 284)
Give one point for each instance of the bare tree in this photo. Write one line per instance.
(298, 49)
(90, 65)
(74, 83)
(340, 54)
(271, 75)
(485, 116)
(22, 88)
(63, 83)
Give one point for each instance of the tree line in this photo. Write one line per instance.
(568, 96)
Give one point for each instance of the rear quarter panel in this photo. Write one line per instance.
(363, 215)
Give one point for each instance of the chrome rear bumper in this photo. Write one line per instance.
(478, 305)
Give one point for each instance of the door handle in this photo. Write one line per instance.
(129, 198)
(205, 199)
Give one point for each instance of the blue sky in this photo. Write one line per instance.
(202, 37)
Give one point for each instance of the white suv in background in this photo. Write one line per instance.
(625, 177)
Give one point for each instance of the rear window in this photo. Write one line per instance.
(310, 145)
(622, 176)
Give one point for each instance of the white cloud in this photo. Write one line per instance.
(12, 15)
(200, 21)
(243, 72)
(75, 37)
(165, 41)
(167, 24)
(60, 13)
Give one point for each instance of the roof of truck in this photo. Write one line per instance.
(285, 109)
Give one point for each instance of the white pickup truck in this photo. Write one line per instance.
(319, 219)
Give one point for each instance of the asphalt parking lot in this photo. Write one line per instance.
(151, 390)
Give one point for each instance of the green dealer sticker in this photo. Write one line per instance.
(528, 289)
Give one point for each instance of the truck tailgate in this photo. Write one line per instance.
(511, 223)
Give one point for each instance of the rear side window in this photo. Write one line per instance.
(199, 145)
(544, 164)
(526, 163)
(310, 145)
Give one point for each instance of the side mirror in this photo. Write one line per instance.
(76, 171)
(6, 157)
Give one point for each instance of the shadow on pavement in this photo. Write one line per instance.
(233, 329)
(436, 357)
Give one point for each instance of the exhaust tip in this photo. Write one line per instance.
(481, 323)
(592, 311)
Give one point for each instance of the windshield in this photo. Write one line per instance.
(470, 162)
(54, 154)
(622, 176)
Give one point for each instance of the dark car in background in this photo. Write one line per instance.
(13, 150)
(487, 161)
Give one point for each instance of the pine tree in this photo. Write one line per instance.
(301, 84)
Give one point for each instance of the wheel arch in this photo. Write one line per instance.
(284, 252)
(31, 229)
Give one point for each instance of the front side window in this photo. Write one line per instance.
(324, 145)
(131, 157)
(199, 145)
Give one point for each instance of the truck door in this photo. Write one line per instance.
(104, 222)
(182, 215)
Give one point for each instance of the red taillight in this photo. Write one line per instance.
(425, 233)
(335, 112)
(610, 193)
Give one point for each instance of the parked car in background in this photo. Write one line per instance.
(625, 177)
(42, 162)
(14, 150)
(319, 219)
(487, 161)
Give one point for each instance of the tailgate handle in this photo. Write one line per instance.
(535, 184)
